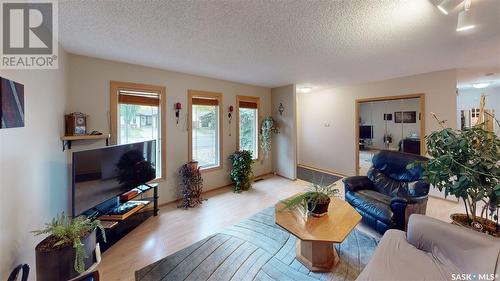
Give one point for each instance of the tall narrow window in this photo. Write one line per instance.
(137, 112)
(205, 120)
(248, 124)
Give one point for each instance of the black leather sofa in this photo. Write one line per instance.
(390, 193)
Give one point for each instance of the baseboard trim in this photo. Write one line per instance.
(285, 177)
(322, 170)
(262, 176)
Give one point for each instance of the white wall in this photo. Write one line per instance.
(372, 113)
(34, 179)
(89, 93)
(327, 123)
(284, 147)
(468, 99)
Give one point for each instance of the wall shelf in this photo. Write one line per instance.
(67, 140)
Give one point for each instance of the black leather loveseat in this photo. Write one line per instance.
(390, 193)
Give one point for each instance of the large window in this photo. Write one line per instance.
(205, 120)
(137, 112)
(248, 124)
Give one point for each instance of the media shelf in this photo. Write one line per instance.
(117, 228)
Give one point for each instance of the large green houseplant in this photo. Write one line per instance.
(241, 172)
(68, 250)
(466, 163)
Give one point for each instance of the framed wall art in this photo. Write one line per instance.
(405, 117)
(11, 104)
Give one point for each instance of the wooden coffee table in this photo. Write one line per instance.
(317, 235)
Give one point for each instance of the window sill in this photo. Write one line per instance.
(210, 169)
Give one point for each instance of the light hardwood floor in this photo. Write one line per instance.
(174, 229)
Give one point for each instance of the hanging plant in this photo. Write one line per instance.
(268, 127)
(241, 173)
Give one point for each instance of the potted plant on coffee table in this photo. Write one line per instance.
(241, 172)
(69, 248)
(466, 163)
(315, 201)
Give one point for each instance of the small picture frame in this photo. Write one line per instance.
(387, 116)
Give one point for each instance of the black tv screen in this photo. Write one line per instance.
(366, 132)
(104, 173)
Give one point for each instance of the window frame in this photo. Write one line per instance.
(251, 99)
(114, 89)
(211, 95)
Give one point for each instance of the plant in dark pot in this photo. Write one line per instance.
(315, 201)
(466, 163)
(241, 172)
(68, 250)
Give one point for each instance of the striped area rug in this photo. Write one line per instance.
(255, 249)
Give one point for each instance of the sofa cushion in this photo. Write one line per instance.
(396, 259)
(373, 203)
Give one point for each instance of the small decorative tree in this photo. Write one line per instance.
(268, 127)
(466, 164)
(191, 185)
(241, 173)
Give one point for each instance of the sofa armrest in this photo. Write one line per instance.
(418, 189)
(468, 250)
(357, 183)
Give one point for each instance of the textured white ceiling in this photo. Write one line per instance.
(277, 42)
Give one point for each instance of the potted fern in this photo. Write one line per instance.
(69, 248)
(315, 201)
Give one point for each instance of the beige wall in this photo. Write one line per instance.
(34, 179)
(327, 123)
(89, 93)
(284, 152)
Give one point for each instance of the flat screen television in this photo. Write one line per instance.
(102, 174)
(365, 132)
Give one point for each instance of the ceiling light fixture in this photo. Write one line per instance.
(446, 6)
(466, 17)
(481, 85)
(305, 89)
